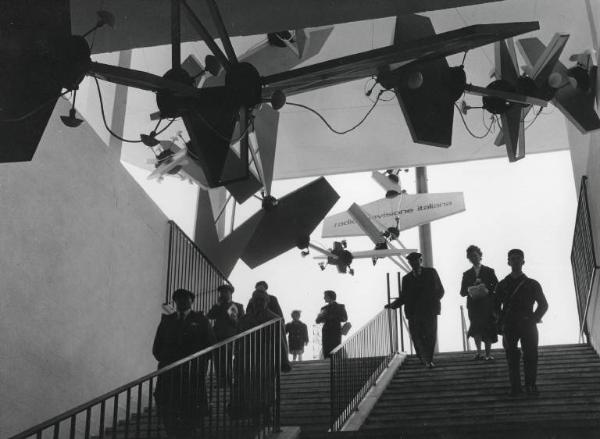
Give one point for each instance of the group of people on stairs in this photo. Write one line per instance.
(181, 394)
(505, 307)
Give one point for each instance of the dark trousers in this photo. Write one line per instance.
(527, 333)
(423, 332)
(223, 362)
(181, 398)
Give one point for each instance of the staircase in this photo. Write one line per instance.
(305, 397)
(463, 398)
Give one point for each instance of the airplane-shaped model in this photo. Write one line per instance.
(342, 258)
(384, 219)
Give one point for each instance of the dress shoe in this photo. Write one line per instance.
(532, 390)
(515, 392)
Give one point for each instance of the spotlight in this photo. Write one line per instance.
(464, 107)
(393, 178)
(278, 100)
(70, 120)
(104, 17)
(149, 139)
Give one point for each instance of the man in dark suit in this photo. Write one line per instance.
(255, 367)
(331, 315)
(226, 315)
(180, 393)
(273, 304)
(421, 294)
(516, 296)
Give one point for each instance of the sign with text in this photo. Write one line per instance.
(411, 210)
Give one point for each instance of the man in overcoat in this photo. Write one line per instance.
(180, 392)
(421, 296)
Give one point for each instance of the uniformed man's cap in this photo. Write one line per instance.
(414, 256)
(183, 292)
(225, 287)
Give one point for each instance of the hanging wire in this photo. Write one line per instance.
(104, 118)
(165, 128)
(535, 117)
(467, 126)
(329, 125)
(35, 110)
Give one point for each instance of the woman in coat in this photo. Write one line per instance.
(478, 285)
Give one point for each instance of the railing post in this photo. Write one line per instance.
(332, 390)
(401, 320)
(389, 316)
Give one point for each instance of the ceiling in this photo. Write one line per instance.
(305, 147)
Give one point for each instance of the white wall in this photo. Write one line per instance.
(82, 276)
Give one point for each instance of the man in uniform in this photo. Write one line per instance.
(180, 393)
(516, 295)
(226, 315)
(421, 293)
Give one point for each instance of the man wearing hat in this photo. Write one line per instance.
(180, 395)
(421, 294)
(255, 366)
(516, 296)
(226, 315)
(273, 304)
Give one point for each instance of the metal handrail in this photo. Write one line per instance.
(583, 256)
(356, 364)
(188, 267)
(465, 336)
(226, 348)
(404, 325)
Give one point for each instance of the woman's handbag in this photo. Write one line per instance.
(346, 328)
(477, 291)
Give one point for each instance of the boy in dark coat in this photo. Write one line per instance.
(297, 336)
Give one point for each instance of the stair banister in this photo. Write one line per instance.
(262, 377)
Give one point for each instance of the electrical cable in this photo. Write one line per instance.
(165, 128)
(329, 125)
(534, 118)
(104, 118)
(35, 110)
(467, 127)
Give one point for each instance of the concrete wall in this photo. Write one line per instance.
(82, 276)
(585, 153)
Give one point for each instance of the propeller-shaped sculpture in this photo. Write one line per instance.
(428, 90)
(211, 114)
(571, 90)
